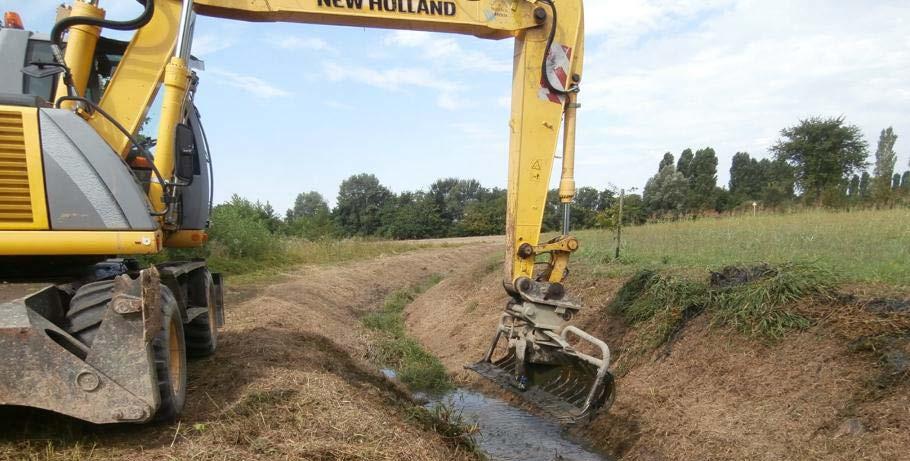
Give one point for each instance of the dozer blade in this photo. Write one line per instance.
(570, 386)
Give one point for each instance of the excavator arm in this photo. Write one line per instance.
(531, 352)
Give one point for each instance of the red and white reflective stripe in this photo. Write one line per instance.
(558, 63)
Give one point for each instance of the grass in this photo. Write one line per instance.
(859, 246)
(760, 306)
(416, 367)
(292, 252)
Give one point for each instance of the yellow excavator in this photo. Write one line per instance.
(88, 332)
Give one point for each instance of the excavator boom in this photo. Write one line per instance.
(534, 350)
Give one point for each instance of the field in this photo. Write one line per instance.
(860, 246)
(309, 327)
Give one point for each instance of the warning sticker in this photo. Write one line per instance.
(558, 62)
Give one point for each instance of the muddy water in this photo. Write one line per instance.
(508, 433)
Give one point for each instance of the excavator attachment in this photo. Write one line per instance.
(531, 356)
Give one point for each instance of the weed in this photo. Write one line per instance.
(759, 307)
(416, 367)
(450, 424)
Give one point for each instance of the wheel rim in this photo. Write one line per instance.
(175, 365)
(213, 319)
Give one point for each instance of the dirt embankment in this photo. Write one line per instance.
(289, 380)
(710, 393)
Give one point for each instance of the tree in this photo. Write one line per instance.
(702, 180)
(823, 151)
(413, 215)
(361, 200)
(896, 182)
(779, 182)
(885, 157)
(864, 181)
(905, 182)
(684, 165)
(667, 160)
(452, 196)
(308, 205)
(310, 218)
(666, 192)
(742, 177)
(486, 216)
(853, 189)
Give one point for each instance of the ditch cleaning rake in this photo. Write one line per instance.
(531, 356)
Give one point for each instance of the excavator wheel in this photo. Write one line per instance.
(202, 331)
(87, 310)
(170, 359)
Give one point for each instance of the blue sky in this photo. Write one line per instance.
(291, 108)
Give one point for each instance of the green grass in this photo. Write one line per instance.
(416, 367)
(859, 246)
(290, 252)
(658, 304)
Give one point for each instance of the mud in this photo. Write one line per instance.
(716, 394)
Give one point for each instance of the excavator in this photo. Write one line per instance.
(88, 331)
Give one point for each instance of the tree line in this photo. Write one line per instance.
(820, 162)
(364, 207)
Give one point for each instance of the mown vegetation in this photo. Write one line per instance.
(395, 350)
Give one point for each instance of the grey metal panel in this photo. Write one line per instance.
(88, 185)
(195, 198)
(13, 45)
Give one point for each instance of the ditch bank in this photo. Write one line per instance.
(834, 387)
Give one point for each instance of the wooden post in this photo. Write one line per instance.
(622, 196)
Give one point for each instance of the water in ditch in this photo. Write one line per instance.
(509, 433)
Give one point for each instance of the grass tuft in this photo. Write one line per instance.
(760, 307)
(450, 424)
(416, 367)
(763, 307)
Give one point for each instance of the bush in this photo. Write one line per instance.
(237, 227)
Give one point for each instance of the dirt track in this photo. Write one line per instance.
(289, 380)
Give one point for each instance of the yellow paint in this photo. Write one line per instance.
(60, 243)
(135, 82)
(493, 19)
(22, 196)
(175, 85)
(186, 239)
(80, 49)
(534, 122)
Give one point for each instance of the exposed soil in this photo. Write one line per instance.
(839, 390)
(290, 380)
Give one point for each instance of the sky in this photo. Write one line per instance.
(291, 108)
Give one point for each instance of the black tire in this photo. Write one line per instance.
(87, 310)
(202, 331)
(170, 359)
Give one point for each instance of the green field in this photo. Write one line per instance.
(859, 246)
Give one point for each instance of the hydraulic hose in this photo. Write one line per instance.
(543, 65)
(61, 26)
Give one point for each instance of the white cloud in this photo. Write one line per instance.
(250, 84)
(294, 42)
(207, 44)
(445, 51)
(399, 79)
